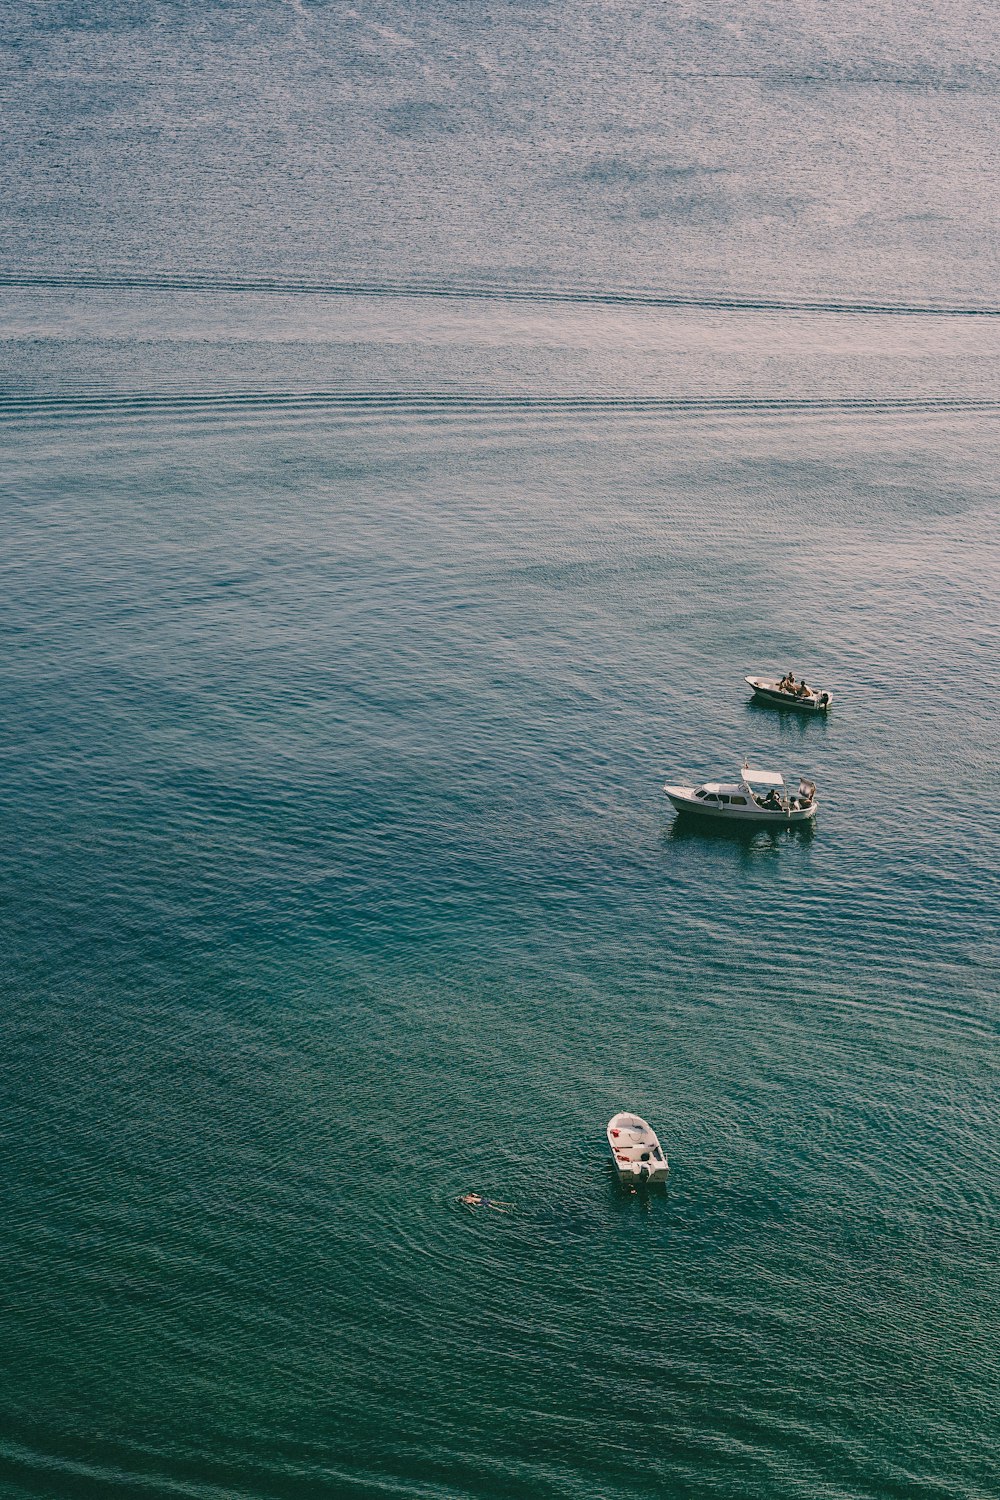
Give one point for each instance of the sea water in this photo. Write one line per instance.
(416, 422)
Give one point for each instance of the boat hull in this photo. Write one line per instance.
(816, 703)
(760, 817)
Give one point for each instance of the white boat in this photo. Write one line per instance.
(759, 797)
(770, 690)
(636, 1152)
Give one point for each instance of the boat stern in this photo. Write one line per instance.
(637, 1154)
(642, 1173)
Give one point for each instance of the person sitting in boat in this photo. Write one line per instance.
(787, 683)
(802, 691)
(772, 801)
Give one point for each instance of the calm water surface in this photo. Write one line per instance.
(350, 634)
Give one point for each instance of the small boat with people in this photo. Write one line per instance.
(785, 692)
(635, 1150)
(759, 797)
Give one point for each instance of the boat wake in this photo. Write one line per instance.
(482, 291)
(90, 404)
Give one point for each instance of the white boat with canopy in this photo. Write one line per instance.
(759, 797)
(789, 694)
(637, 1154)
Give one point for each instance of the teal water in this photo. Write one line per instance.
(353, 624)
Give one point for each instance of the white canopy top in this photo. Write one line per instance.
(763, 778)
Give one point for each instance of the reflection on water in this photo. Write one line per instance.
(787, 718)
(641, 1197)
(690, 827)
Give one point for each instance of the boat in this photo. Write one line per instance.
(637, 1154)
(759, 797)
(770, 690)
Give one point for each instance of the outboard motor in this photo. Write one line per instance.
(824, 699)
(644, 1174)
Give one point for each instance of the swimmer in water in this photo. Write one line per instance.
(476, 1200)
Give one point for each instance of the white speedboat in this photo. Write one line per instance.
(635, 1150)
(759, 797)
(770, 690)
